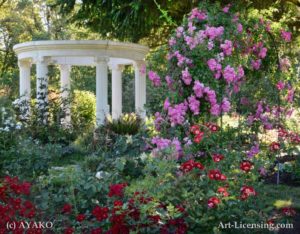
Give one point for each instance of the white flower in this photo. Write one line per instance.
(18, 126)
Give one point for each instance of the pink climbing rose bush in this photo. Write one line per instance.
(218, 63)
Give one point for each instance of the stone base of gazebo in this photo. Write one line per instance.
(102, 54)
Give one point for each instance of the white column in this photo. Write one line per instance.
(65, 87)
(102, 108)
(116, 86)
(24, 86)
(140, 88)
(42, 79)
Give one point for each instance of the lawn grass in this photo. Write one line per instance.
(283, 195)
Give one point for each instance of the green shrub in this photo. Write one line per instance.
(83, 109)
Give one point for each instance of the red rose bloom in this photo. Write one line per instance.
(198, 137)
(247, 191)
(223, 191)
(246, 166)
(80, 217)
(116, 190)
(199, 165)
(118, 203)
(216, 175)
(217, 157)
(212, 127)
(190, 165)
(194, 129)
(187, 166)
(275, 146)
(213, 202)
(288, 211)
(100, 213)
(67, 208)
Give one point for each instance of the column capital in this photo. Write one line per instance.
(101, 60)
(42, 59)
(65, 67)
(139, 63)
(114, 66)
(24, 63)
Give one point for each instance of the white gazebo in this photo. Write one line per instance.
(102, 54)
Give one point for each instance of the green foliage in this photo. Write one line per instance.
(29, 159)
(83, 109)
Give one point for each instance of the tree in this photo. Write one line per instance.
(153, 20)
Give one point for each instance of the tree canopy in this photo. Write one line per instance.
(152, 20)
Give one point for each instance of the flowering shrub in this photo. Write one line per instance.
(217, 61)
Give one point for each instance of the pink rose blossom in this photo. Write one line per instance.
(280, 85)
(256, 64)
(158, 120)
(169, 81)
(290, 96)
(227, 47)
(239, 28)
(186, 76)
(225, 105)
(177, 114)
(166, 104)
(191, 27)
(196, 13)
(287, 36)
(179, 31)
(194, 105)
(229, 74)
(198, 89)
(263, 52)
(240, 73)
(172, 41)
(213, 32)
(226, 8)
(210, 45)
(212, 64)
(154, 77)
(215, 110)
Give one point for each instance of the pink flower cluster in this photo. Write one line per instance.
(158, 120)
(227, 47)
(177, 113)
(180, 58)
(163, 143)
(287, 36)
(214, 32)
(231, 76)
(197, 14)
(216, 67)
(186, 76)
(194, 104)
(210, 95)
(154, 77)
